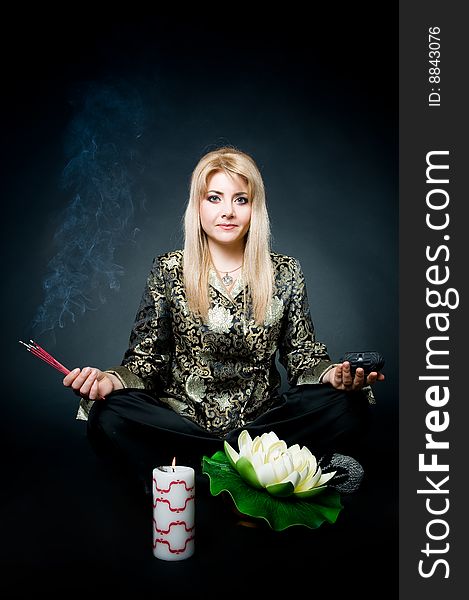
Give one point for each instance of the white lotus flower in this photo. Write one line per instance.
(267, 462)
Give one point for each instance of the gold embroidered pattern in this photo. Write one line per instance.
(224, 401)
(274, 311)
(177, 405)
(220, 319)
(195, 388)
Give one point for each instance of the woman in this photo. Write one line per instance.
(200, 366)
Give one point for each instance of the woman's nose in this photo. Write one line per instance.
(227, 209)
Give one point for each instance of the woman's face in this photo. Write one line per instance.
(226, 203)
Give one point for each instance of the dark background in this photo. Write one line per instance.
(314, 100)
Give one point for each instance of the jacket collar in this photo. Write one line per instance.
(215, 281)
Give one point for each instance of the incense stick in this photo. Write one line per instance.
(45, 356)
(35, 349)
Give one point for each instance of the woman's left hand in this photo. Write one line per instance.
(340, 377)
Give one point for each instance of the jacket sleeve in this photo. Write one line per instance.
(147, 360)
(305, 359)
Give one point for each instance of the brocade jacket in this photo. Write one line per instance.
(220, 373)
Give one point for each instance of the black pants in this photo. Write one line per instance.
(135, 428)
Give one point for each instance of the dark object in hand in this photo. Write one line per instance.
(368, 360)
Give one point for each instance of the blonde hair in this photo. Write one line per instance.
(257, 263)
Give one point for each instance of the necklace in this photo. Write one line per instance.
(227, 279)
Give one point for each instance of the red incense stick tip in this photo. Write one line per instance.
(45, 356)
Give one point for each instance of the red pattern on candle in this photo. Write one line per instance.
(166, 490)
(171, 508)
(172, 550)
(188, 529)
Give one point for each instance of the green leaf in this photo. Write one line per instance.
(279, 513)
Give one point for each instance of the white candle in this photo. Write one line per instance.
(173, 512)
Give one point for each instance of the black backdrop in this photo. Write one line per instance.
(314, 99)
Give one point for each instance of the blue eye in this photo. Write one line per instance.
(244, 200)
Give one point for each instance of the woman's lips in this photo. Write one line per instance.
(227, 226)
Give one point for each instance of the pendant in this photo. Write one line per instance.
(227, 279)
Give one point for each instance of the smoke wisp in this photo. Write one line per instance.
(101, 176)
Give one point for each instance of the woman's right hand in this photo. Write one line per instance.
(91, 383)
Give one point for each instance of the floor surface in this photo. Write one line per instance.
(73, 524)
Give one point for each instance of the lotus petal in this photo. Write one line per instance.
(325, 477)
(247, 472)
(245, 443)
(269, 438)
(266, 474)
(311, 492)
(257, 460)
(231, 453)
(282, 467)
(312, 479)
(304, 472)
(281, 490)
(276, 449)
(310, 458)
(293, 478)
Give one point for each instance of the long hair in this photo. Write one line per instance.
(257, 263)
